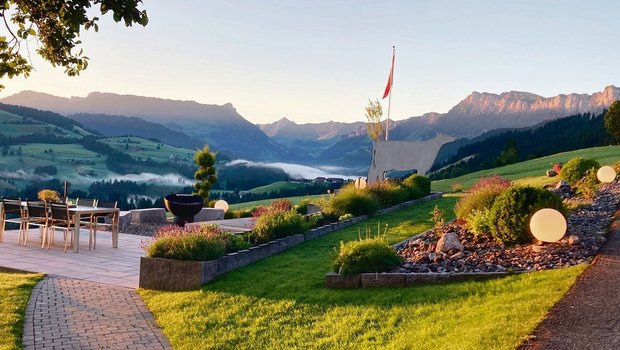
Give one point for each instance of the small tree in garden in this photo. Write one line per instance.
(374, 112)
(205, 175)
(612, 120)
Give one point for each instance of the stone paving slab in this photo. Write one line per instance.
(588, 317)
(65, 313)
(118, 266)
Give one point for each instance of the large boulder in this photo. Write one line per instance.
(148, 216)
(449, 243)
(209, 214)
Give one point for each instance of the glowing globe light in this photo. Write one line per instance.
(548, 225)
(360, 183)
(221, 204)
(606, 174)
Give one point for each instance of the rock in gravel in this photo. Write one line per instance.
(457, 256)
(573, 240)
(449, 241)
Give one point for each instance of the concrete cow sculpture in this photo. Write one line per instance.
(404, 155)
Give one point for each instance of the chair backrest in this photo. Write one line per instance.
(36, 209)
(86, 202)
(12, 206)
(106, 204)
(60, 212)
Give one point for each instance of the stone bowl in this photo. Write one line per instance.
(183, 206)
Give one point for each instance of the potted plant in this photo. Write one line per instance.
(48, 195)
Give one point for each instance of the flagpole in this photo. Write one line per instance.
(387, 122)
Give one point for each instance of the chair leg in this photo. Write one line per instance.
(26, 233)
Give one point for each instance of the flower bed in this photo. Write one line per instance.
(172, 274)
(483, 257)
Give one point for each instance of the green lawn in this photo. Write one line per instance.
(281, 303)
(254, 204)
(15, 291)
(534, 168)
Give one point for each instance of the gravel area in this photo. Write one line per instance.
(587, 228)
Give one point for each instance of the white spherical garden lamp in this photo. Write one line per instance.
(606, 174)
(221, 204)
(548, 225)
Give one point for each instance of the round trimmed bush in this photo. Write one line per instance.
(350, 200)
(388, 193)
(511, 212)
(481, 196)
(367, 255)
(417, 185)
(576, 169)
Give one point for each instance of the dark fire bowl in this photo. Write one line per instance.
(183, 206)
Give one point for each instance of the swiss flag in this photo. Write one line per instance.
(389, 82)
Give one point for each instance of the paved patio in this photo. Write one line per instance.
(117, 266)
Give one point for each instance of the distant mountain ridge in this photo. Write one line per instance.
(330, 143)
(219, 126)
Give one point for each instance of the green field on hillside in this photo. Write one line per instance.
(141, 148)
(533, 169)
(254, 204)
(15, 125)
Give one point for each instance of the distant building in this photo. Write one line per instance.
(320, 179)
(335, 180)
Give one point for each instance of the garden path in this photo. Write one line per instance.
(588, 317)
(66, 313)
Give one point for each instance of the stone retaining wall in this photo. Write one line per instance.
(382, 280)
(168, 274)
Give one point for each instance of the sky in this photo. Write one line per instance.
(318, 60)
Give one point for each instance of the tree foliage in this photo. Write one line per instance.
(612, 120)
(374, 112)
(205, 175)
(56, 25)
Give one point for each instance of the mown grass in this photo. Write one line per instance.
(281, 303)
(533, 169)
(15, 289)
(254, 204)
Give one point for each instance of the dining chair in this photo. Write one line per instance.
(97, 217)
(13, 212)
(88, 221)
(59, 219)
(36, 215)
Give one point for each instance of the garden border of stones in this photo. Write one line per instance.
(179, 275)
(398, 279)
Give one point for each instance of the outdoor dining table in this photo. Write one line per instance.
(81, 210)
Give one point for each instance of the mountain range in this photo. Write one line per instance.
(189, 124)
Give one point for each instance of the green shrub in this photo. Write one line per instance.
(351, 201)
(576, 169)
(302, 207)
(388, 193)
(366, 255)
(512, 210)
(197, 243)
(345, 217)
(418, 186)
(481, 196)
(276, 224)
(588, 185)
(235, 242)
(479, 222)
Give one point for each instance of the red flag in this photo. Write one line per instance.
(389, 82)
